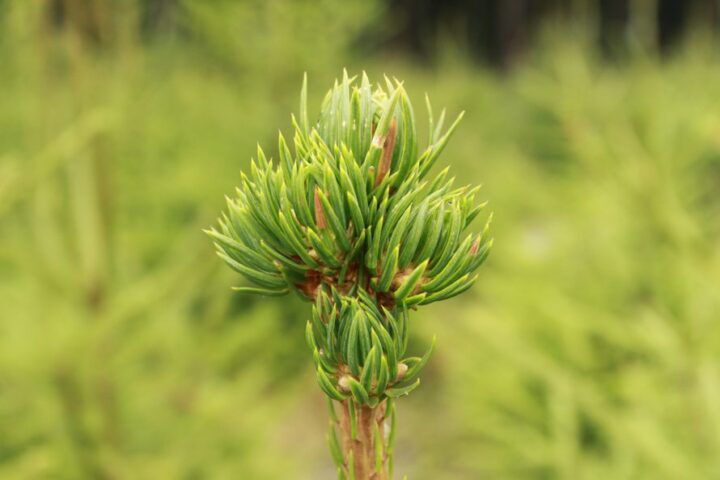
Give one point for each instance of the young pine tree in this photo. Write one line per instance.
(351, 220)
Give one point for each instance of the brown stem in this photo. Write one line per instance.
(363, 446)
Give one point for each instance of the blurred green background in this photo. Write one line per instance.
(589, 349)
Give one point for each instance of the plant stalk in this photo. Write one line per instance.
(364, 444)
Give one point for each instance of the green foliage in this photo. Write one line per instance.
(588, 351)
(290, 227)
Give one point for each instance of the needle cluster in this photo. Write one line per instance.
(351, 219)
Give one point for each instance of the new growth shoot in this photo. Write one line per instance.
(351, 219)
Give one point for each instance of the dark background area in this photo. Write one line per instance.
(495, 32)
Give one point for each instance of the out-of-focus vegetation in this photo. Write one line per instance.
(590, 348)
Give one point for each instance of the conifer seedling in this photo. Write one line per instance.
(351, 219)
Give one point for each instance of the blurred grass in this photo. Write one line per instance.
(590, 348)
